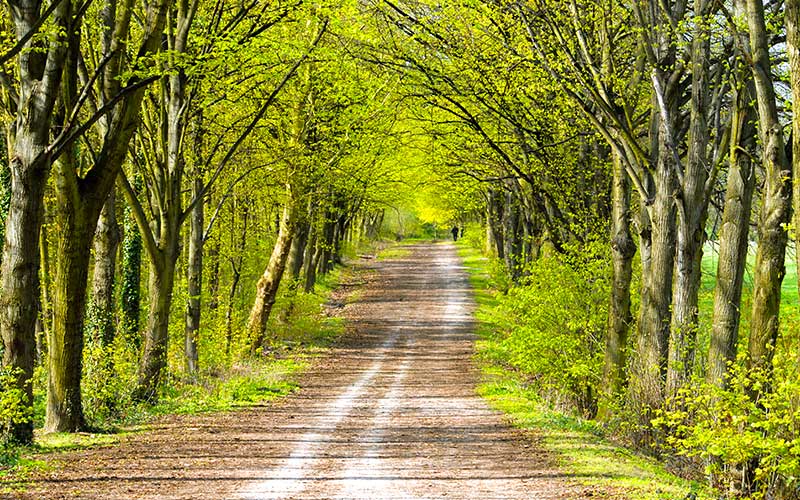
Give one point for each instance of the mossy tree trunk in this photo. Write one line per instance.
(770, 266)
(106, 244)
(695, 189)
(620, 319)
(735, 225)
(195, 281)
(40, 66)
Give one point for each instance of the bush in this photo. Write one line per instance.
(109, 377)
(552, 326)
(12, 411)
(732, 433)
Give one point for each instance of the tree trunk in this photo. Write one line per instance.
(338, 240)
(229, 309)
(236, 269)
(156, 342)
(5, 191)
(195, 282)
(39, 67)
(496, 223)
(313, 253)
(619, 313)
(649, 366)
(775, 206)
(734, 230)
(644, 232)
(267, 287)
(213, 280)
(130, 295)
(692, 215)
(792, 18)
(511, 241)
(106, 242)
(326, 245)
(46, 304)
(77, 221)
(20, 282)
(298, 251)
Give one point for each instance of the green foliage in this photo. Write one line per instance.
(581, 445)
(474, 235)
(729, 431)
(12, 411)
(130, 284)
(109, 376)
(552, 325)
(244, 384)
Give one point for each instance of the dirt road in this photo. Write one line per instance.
(391, 414)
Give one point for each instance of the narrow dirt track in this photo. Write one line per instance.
(391, 414)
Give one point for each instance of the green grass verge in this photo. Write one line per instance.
(582, 450)
(397, 251)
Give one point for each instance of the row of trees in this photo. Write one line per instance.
(136, 130)
(655, 126)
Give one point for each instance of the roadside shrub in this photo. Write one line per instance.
(109, 377)
(474, 235)
(12, 411)
(731, 433)
(552, 326)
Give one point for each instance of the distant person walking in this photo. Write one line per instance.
(455, 233)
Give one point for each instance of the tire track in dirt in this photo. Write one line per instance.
(391, 414)
(426, 435)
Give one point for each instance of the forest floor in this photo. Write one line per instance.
(391, 412)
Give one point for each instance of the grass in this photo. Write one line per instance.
(580, 445)
(397, 251)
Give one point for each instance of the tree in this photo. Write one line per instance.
(164, 171)
(83, 183)
(770, 266)
(30, 101)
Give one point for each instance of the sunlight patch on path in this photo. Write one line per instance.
(289, 478)
(367, 477)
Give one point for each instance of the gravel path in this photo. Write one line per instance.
(390, 414)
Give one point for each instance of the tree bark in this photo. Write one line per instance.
(236, 270)
(195, 282)
(20, 278)
(770, 265)
(620, 319)
(106, 243)
(313, 253)
(213, 280)
(649, 366)
(692, 215)
(40, 74)
(76, 224)
(267, 287)
(511, 241)
(82, 198)
(298, 251)
(328, 233)
(792, 19)
(734, 230)
(46, 304)
(156, 344)
(5, 191)
(130, 295)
